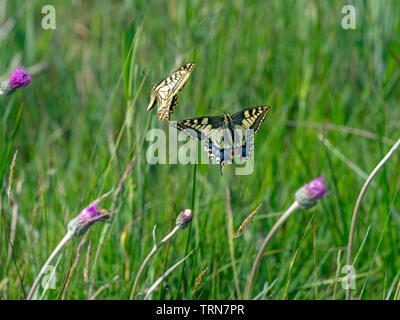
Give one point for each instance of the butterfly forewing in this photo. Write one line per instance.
(199, 128)
(251, 118)
(176, 81)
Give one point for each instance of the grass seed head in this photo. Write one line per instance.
(246, 222)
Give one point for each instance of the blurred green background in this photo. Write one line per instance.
(334, 112)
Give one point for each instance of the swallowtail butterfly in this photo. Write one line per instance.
(227, 135)
(165, 91)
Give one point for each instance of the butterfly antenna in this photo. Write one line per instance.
(215, 109)
(147, 76)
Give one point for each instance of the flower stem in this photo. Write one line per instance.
(155, 284)
(260, 254)
(357, 208)
(147, 259)
(189, 235)
(231, 244)
(61, 244)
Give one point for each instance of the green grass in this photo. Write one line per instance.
(83, 117)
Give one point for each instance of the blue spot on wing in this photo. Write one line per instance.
(221, 155)
(244, 151)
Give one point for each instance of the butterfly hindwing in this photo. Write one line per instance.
(173, 104)
(164, 97)
(219, 155)
(244, 146)
(224, 143)
(165, 91)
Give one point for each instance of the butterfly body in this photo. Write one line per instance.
(165, 92)
(224, 136)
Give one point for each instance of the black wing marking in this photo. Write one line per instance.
(173, 104)
(176, 81)
(199, 128)
(251, 118)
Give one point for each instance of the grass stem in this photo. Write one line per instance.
(260, 254)
(61, 244)
(357, 208)
(149, 256)
(155, 284)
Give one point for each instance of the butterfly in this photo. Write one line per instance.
(165, 91)
(224, 136)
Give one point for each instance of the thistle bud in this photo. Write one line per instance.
(82, 222)
(19, 78)
(184, 218)
(309, 194)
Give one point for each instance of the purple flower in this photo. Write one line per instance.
(90, 214)
(81, 223)
(316, 189)
(184, 218)
(20, 78)
(308, 195)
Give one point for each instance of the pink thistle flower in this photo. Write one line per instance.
(88, 216)
(184, 218)
(19, 78)
(308, 195)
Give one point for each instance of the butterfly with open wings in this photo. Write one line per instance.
(226, 135)
(165, 91)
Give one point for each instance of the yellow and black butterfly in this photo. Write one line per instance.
(226, 135)
(165, 91)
